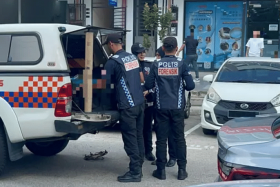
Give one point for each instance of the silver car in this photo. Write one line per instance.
(249, 148)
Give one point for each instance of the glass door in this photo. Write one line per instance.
(263, 16)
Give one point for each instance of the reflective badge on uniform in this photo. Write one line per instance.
(168, 68)
(131, 65)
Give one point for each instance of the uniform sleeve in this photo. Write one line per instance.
(150, 82)
(110, 72)
(188, 78)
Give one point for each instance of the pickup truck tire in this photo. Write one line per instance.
(47, 148)
(4, 149)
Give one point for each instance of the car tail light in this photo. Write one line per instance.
(244, 174)
(64, 101)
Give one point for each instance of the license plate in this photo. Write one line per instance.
(236, 114)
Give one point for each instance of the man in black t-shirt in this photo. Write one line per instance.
(191, 44)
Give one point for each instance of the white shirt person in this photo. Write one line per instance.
(255, 47)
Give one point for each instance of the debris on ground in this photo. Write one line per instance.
(96, 156)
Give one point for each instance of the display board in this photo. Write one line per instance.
(218, 28)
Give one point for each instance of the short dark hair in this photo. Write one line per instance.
(170, 44)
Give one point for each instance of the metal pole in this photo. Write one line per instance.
(19, 11)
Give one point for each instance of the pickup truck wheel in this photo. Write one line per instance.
(4, 150)
(47, 148)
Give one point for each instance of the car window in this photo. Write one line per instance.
(24, 49)
(4, 47)
(254, 72)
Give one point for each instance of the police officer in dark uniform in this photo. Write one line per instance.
(139, 51)
(168, 76)
(171, 143)
(123, 71)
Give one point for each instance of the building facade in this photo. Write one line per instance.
(222, 27)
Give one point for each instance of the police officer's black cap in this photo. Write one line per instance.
(114, 38)
(137, 48)
(170, 42)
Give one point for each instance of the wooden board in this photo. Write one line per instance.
(88, 72)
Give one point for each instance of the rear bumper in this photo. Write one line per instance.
(78, 127)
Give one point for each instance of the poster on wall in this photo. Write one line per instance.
(228, 42)
(218, 28)
(200, 16)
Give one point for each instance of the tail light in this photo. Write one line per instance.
(64, 101)
(229, 173)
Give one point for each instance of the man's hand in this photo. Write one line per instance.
(178, 53)
(146, 93)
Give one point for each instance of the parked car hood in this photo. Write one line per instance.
(247, 92)
(243, 131)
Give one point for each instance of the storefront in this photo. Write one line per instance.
(224, 27)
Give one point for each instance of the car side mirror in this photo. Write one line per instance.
(208, 78)
(275, 128)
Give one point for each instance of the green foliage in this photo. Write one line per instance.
(146, 42)
(152, 21)
(150, 17)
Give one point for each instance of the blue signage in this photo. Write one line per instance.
(113, 3)
(218, 28)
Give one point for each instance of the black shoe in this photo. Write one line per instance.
(128, 177)
(171, 163)
(154, 163)
(160, 174)
(182, 174)
(150, 156)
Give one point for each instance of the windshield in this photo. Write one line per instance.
(250, 72)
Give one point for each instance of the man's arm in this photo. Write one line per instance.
(181, 48)
(188, 78)
(150, 82)
(262, 46)
(142, 77)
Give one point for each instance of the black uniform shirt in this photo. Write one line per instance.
(191, 45)
(123, 69)
(168, 76)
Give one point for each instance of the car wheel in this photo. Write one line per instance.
(47, 148)
(187, 110)
(208, 131)
(4, 149)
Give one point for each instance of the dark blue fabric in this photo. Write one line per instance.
(122, 72)
(146, 68)
(170, 89)
(191, 45)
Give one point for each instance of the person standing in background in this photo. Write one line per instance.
(139, 51)
(255, 45)
(191, 57)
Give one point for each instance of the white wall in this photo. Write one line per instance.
(129, 25)
(180, 32)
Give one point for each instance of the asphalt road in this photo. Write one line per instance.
(69, 169)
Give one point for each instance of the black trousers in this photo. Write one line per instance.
(148, 130)
(170, 121)
(171, 146)
(131, 121)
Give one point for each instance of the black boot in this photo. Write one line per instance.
(150, 156)
(171, 162)
(182, 174)
(129, 177)
(160, 174)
